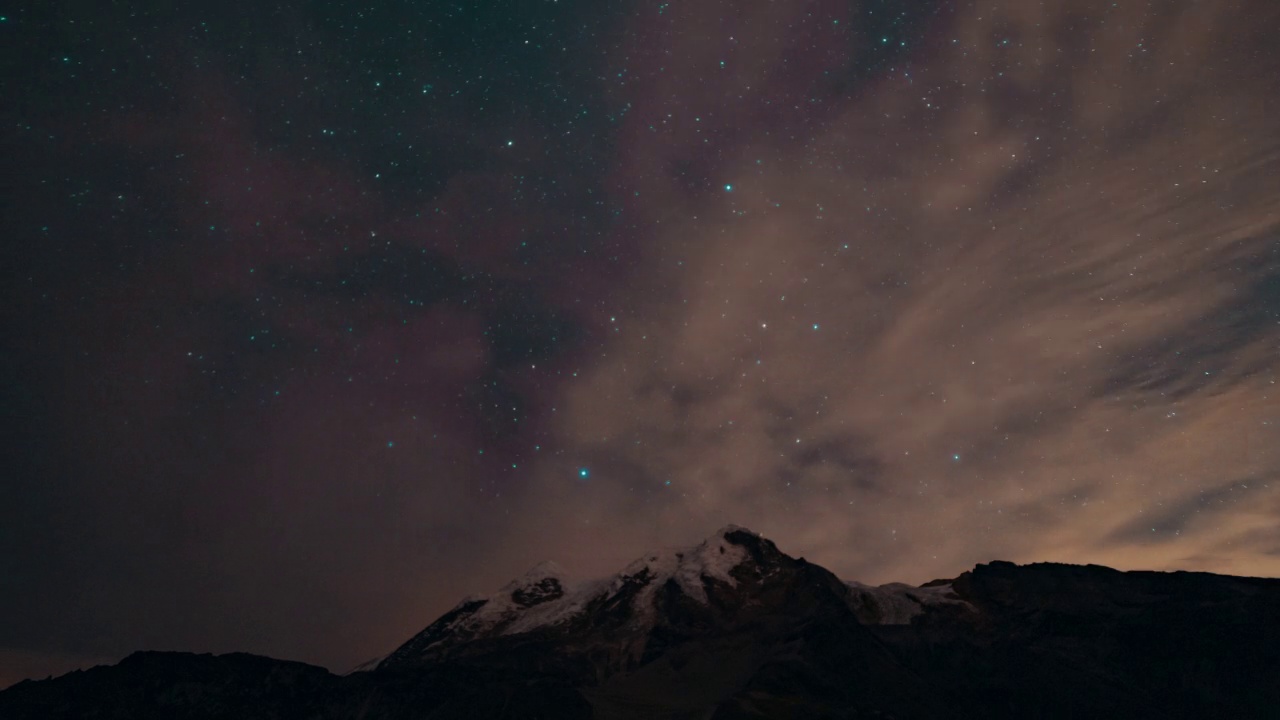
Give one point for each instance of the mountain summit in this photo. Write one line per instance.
(733, 572)
(732, 628)
(626, 606)
(705, 622)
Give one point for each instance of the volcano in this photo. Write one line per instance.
(732, 628)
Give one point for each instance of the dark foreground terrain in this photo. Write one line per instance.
(734, 629)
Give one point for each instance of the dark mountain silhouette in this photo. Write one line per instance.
(734, 629)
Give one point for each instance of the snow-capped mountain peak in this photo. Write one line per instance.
(712, 558)
(545, 582)
(702, 586)
(543, 598)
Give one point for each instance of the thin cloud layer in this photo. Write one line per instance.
(1016, 300)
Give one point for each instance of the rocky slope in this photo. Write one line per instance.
(733, 628)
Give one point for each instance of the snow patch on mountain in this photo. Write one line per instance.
(543, 597)
(898, 603)
(713, 558)
(626, 604)
(537, 593)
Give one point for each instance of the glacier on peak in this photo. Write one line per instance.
(713, 558)
(543, 598)
(898, 603)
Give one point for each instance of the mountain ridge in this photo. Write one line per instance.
(734, 628)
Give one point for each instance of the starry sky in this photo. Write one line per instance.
(321, 316)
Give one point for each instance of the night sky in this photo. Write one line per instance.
(319, 317)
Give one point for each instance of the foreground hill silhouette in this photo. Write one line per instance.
(735, 629)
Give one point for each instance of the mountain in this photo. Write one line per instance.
(733, 629)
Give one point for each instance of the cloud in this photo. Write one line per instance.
(1015, 298)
